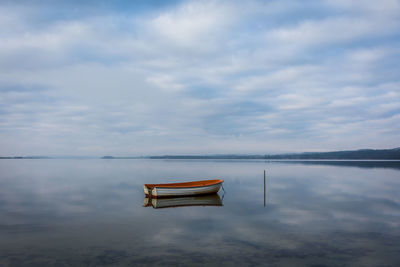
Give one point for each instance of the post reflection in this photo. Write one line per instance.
(175, 202)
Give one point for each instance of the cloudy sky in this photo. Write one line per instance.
(198, 77)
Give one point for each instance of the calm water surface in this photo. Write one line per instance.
(91, 213)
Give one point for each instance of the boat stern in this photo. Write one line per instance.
(150, 192)
(146, 191)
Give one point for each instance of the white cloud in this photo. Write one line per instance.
(191, 23)
(331, 31)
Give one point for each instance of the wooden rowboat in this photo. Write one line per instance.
(186, 201)
(182, 189)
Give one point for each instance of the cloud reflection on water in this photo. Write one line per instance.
(90, 212)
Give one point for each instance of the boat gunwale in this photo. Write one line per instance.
(196, 184)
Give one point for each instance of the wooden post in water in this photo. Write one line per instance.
(264, 188)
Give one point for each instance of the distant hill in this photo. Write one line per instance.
(112, 157)
(365, 154)
(25, 157)
(107, 157)
(362, 154)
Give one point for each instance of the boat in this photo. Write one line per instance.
(188, 201)
(182, 189)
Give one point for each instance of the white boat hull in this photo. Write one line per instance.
(182, 191)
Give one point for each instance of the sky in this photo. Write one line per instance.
(131, 78)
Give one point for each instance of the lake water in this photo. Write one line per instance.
(90, 212)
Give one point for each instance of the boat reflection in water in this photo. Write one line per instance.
(173, 202)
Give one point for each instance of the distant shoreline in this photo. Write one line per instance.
(362, 154)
